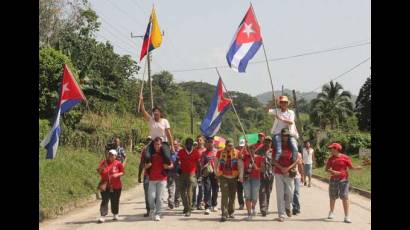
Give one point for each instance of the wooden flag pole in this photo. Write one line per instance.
(237, 116)
(142, 87)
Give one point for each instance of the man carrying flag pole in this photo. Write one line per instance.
(70, 95)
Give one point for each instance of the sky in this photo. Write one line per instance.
(197, 34)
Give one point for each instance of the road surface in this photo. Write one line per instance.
(314, 209)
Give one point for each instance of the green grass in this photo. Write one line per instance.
(71, 178)
(357, 178)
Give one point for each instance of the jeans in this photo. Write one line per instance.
(146, 186)
(284, 193)
(239, 190)
(155, 193)
(114, 197)
(277, 143)
(265, 190)
(296, 204)
(165, 151)
(210, 185)
(186, 183)
(251, 188)
(228, 193)
(171, 186)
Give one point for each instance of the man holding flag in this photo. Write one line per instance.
(70, 95)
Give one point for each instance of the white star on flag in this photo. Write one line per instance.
(248, 29)
(65, 87)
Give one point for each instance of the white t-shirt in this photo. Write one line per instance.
(157, 129)
(279, 125)
(297, 168)
(307, 156)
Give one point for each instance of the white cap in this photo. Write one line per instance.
(113, 152)
(242, 142)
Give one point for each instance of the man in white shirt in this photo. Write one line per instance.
(308, 159)
(284, 118)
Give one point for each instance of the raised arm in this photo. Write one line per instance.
(146, 115)
(170, 139)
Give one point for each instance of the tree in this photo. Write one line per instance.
(331, 106)
(363, 104)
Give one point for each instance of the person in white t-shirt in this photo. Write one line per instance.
(308, 159)
(284, 118)
(158, 127)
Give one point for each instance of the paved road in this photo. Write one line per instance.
(314, 210)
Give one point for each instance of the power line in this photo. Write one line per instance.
(344, 73)
(276, 59)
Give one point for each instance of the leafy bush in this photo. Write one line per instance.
(321, 155)
(44, 127)
(351, 142)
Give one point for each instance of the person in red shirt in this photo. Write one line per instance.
(110, 171)
(284, 182)
(197, 199)
(209, 179)
(252, 174)
(261, 140)
(157, 179)
(189, 162)
(337, 165)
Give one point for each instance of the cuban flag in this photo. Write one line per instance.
(70, 95)
(213, 119)
(246, 42)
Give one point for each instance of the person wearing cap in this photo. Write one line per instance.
(252, 163)
(146, 178)
(157, 179)
(229, 168)
(266, 175)
(239, 187)
(284, 118)
(189, 162)
(285, 182)
(158, 127)
(110, 171)
(261, 140)
(209, 179)
(337, 165)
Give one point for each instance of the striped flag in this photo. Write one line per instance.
(153, 36)
(246, 42)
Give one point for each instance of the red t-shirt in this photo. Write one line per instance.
(258, 146)
(157, 171)
(109, 170)
(255, 173)
(285, 159)
(340, 164)
(189, 161)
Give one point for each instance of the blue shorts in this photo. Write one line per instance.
(251, 188)
(308, 169)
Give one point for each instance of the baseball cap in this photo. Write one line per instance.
(113, 152)
(242, 142)
(268, 138)
(336, 146)
(261, 134)
(283, 98)
(285, 131)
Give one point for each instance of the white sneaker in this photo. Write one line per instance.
(214, 209)
(249, 218)
(253, 212)
(101, 219)
(116, 217)
(331, 215)
(347, 220)
(157, 218)
(207, 211)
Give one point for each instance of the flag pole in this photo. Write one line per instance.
(237, 116)
(142, 86)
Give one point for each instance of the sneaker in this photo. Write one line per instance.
(295, 212)
(288, 213)
(232, 216)
(263, 213)
(281, 219)
(207, 211)
(309, 185)
(241, 207)
(214, 209)
(248, 218)
(223, 219)
(116, 217)
(157, 218)
(171, 206)
(331, 215)
(253, 212)
(200, 207)
(347, 220)
(188, 214)
(101, 219)
(305, 184)
(146, 214)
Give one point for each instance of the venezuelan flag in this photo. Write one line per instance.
(153, 36)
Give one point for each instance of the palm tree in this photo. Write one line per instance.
(332, 105)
